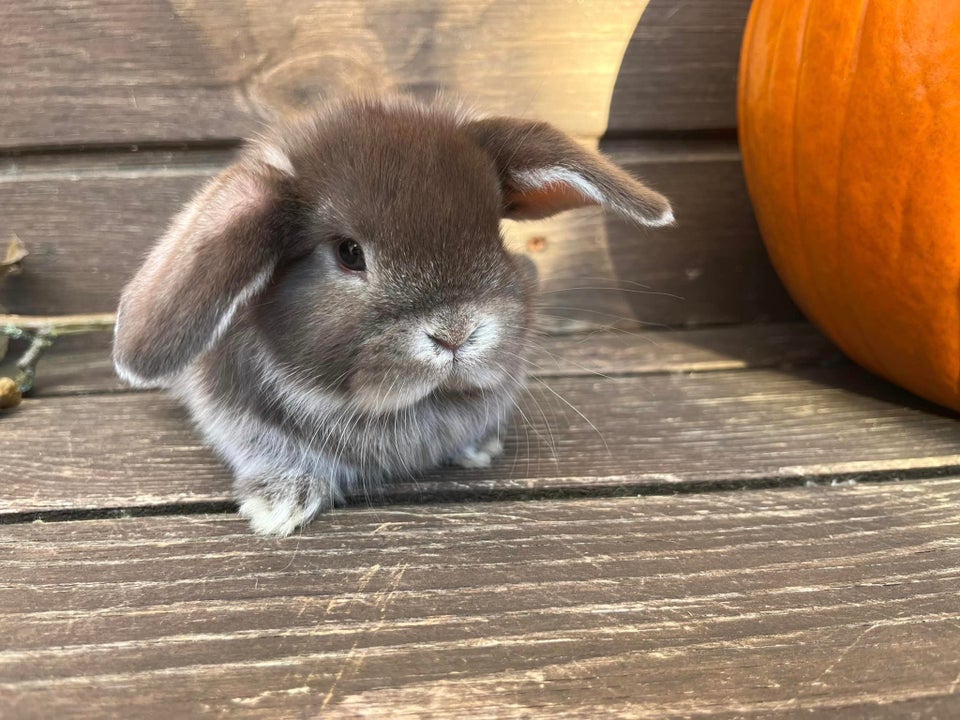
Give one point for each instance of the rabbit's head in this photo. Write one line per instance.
(363, 243)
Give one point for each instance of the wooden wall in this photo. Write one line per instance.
(112, 113)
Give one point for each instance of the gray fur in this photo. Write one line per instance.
(312, 381)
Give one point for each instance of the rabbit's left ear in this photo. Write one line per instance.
(219, 253)
(543, 171)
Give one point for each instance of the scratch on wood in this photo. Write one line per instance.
(255, 700)
(354, 661)
(954, 685)
(844, 652)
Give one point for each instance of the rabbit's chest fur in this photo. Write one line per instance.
(265, 423)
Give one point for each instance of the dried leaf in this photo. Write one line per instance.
(10, 395)
(16, 251)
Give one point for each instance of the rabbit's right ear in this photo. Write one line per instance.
(543, 171)
(220, 251)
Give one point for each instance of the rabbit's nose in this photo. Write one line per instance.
(451, 340)
(444, 343)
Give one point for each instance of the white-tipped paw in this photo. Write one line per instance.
(276, 519)
(480, 455)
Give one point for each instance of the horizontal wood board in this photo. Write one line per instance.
(679, 71)
(136, 71)
(835, 602)
(576, 434)
(88, 223)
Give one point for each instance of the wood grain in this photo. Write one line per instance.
(576, 435)
(89, 221)
(712, 265)
(83, 365)
(760, 604)
(135, 71)
(679, 71)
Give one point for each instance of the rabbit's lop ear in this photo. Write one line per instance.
(544, 171)
(219, 252)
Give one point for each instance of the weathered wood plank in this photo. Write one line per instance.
(666, 82)
(83, 365)
(137, 71)
(769, 603)
(714, 261)
(656, 433)
(89, 222)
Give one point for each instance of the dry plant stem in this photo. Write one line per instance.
(27, 364)
(18, 326)
(42, 330)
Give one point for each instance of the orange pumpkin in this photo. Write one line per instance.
(850, 133)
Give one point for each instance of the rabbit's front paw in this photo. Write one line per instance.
(276, 506)
(271, 517)
(479, 455)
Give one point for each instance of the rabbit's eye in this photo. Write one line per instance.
(350, 255)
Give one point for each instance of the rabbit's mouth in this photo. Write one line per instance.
(390, 395)
(466, 350)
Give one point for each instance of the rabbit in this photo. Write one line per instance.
(337, 306)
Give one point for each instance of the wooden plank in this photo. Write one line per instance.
(89, 222)
(135, 71)
(768, 603)
(83, 366)
(655, 433)
(679, 70)
(712, 267)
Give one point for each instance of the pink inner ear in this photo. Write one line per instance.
(544, 201)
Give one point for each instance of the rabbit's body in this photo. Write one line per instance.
(338, 306)
(302, 448)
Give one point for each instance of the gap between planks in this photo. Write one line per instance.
(205, 159)
(81, 366)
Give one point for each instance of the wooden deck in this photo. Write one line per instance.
(726, 523)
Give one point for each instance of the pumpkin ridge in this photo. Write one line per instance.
(795, 134)
(866, 353)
